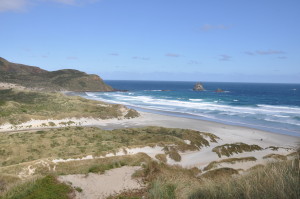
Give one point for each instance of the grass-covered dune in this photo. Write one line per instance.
(27, 171)
(81, 141)
(17, 107)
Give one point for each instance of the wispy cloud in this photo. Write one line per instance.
(265, 52)
(20, 5)
(249, 53)
(141, 58)
(13, 5)
(114, 54)
(269, 52)
(70, 2)
(172, 55)
(208, 27)
(225, 57)
(193, 62)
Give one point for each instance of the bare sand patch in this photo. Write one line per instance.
(96, 186)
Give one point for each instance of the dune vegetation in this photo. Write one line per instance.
(17, 107)
(70, 142)
(279, 178)
(29, 166)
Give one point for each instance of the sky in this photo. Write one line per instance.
(177, 40)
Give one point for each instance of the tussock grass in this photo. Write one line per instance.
(101, 168)
(130, 194)
(17, 107)
(10, 179)
(219, 173)
(258, 166)
(161, 189)
(43, 188)
(166, 180)
(161, 157)
(275, 156)
(275, 180)
(214, 164)
(172, 153)
(98, 165)
(230, 149)
(81, 141)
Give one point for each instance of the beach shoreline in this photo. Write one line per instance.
(228, 133)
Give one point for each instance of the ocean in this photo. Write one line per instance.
(270, 107)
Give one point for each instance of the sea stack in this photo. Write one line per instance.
(198, 87)
(219, 90)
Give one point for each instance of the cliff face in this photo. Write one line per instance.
(61, 80)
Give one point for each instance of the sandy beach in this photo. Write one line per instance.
(228, 134)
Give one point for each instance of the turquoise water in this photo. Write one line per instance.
(272, 107)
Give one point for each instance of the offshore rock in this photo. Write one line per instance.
(219, 90)
(198, 87)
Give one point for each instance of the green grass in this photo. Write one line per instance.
(44, 188)
(161, 189)
(230, 149)
(101, 168)
(17, 107)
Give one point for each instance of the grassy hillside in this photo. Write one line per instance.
(20, 106)
(37, 78)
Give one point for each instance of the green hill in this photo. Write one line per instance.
(39, 79)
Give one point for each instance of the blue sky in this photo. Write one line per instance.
(191, 40)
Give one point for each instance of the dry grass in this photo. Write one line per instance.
(161, 157)
(219, 173)
(275, 180)
(214, 164)
(230, 149)
(275, 156)
(17, 107)
(20, 151)
(81, 141)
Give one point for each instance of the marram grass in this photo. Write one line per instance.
(280, 180)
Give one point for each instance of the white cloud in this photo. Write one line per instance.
(12, 5)
(19, 5)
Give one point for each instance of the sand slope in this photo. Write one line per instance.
(96, 186)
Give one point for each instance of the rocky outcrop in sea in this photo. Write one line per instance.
(198, 87)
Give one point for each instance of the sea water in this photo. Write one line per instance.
(271, 107)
